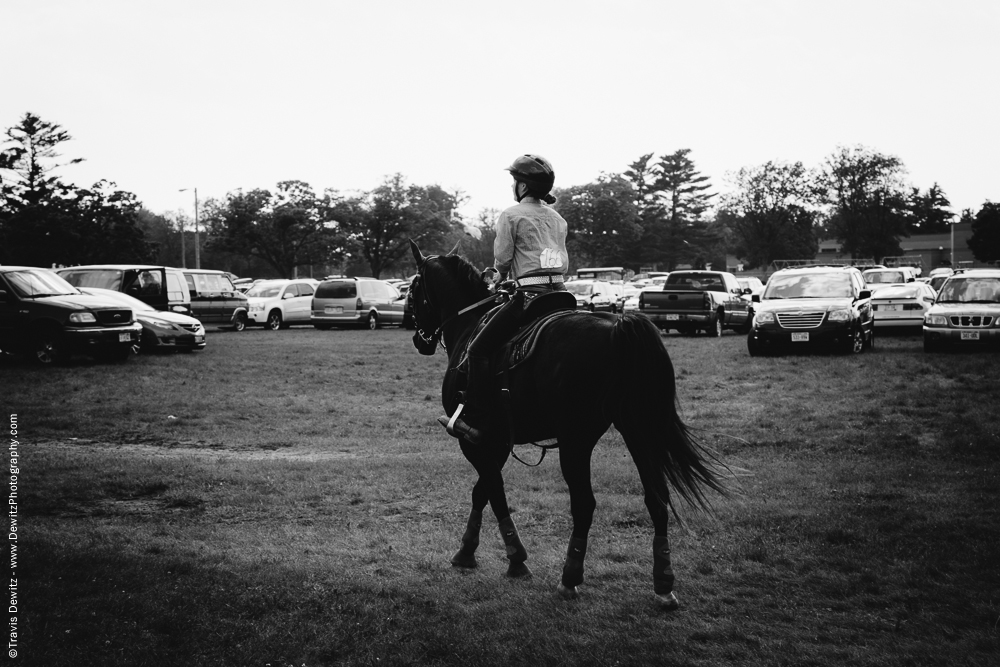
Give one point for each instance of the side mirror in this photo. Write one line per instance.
(287, 295)
(755, 298)
(865, 294)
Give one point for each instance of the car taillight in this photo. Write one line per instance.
(359, 304)
(708, 301)
(912, 306)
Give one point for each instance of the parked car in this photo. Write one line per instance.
(356, 301)
(278, 304)
(214, 299)
(692, 301)
(966, 312)
(45, 317)
(751, 283)
(632, 302)
(878, 278)
(161, 329)
(162, 287)
(901, 306)
(815, 306)
(937, 281)
(593, 295)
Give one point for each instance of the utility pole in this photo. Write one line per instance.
(197, 244)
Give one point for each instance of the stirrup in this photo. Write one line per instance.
(459, 429)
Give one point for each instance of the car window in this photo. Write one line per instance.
(337, 289)
(264, 291)
(38, 282)
(305, 289)
(176, 289)
(103, 278)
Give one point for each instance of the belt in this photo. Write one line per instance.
(539, 280)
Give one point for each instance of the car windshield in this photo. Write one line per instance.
(911, 291)
(811, 286)
(265, 291)
(970, 290)
(883, 277)
(33, 283)
(580, 288)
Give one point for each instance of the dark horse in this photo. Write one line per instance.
(572, 388)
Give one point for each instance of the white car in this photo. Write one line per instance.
(902, 306)
(278, 304)
(593, 295)
(632, 302)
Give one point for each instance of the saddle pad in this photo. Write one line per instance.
(522, 345)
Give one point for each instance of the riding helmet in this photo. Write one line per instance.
(534, 171)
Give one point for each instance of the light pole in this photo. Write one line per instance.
(197, 258)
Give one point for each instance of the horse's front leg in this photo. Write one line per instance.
(488, 462)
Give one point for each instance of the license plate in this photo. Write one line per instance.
(800, 337)
(333, 310)
(891, 307)
(970, 335)
(124, 338)
(671, 317)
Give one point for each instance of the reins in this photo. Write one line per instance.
(435, 338)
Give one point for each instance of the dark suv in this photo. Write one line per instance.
(816, 306)
(44, 316)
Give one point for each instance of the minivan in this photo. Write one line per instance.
(366, 301)
(162, 287)
(214, 299)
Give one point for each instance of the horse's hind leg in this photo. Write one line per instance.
(654, 483)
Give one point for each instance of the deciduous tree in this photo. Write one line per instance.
(772, 212)
(867, 195)
(985, 240)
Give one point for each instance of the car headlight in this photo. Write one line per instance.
(764, 318)
(839, 315)
(255, 307)
(936, 321)
(82, 318)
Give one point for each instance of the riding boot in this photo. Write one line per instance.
(472, 419)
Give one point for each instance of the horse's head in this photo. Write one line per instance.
(443, 286)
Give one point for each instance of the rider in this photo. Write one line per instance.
(530, 251)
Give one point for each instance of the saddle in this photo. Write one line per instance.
(539, 313)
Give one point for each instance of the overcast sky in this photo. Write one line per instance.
(225, 95)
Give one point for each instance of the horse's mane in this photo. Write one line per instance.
(468, 277)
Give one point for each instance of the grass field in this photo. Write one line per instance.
(287, 498)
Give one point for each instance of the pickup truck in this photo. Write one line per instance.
(45, 317)
(690, 301)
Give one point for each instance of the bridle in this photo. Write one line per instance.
(428, 343)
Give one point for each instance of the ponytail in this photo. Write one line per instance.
(548, 199)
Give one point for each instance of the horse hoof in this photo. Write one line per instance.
(568, 592)
(464, 560)
(667, 602)
(518, 571)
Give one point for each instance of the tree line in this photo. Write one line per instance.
(659, 211)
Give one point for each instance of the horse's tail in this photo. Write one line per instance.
(650, 416)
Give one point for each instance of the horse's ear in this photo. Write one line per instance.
(454, 251)
(418, 256)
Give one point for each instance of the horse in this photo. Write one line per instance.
(572, 387)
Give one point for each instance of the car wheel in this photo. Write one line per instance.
(754, 347)
(716, 330)
(48, 347)
(745, 329)
(856, 342)
(373, 322)
(273, 320)
(240, 323)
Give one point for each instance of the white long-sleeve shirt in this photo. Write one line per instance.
(531, 239)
